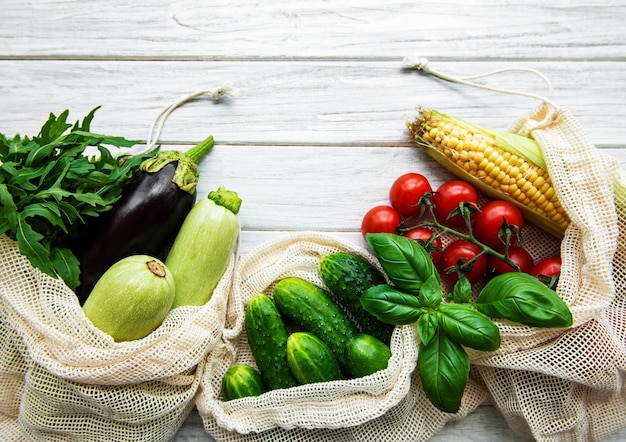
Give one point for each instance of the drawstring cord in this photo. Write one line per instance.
(422, 64)
(159, 120)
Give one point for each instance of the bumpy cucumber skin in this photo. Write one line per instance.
(308, 306)
(348, 276)
(366, 355)
(242, 380)
(311, 360)
(267, 336)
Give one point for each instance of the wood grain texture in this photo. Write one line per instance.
(302, 103)
(314, 132)
(365, 29)
(325, 188)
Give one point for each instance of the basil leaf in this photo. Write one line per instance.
(462, 291)
(406, 263)
(430, 294)
(444, 369)
(390, 305)
(427, 326)
(522, 298)
(468, 327)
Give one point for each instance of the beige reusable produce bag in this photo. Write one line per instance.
(569, 385)
(328, 407)
(565, 385)
(62, 379)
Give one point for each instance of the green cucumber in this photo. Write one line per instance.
(348, 276)
(267, 336)
(311, 360)
(308, 306)
(366, 355)
(242, 380)
(203, 246)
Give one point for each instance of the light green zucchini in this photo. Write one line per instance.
(202, 249)
(131, 299)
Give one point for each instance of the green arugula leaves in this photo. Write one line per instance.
(448, 324)
(49, 187)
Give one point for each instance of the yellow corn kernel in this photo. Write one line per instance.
(511, 172)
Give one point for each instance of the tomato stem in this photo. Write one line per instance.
(469, 236)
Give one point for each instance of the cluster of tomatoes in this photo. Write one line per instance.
(488, 226)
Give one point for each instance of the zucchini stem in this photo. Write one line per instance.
(226, 198)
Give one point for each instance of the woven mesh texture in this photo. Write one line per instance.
(565, 385)
(63, 379)
(355, 409)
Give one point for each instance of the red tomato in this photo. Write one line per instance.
(518, 255)
(421, 235)
(448, 197)
(462, 250)
(406, 192)
(488, 222)
(380, 219)
(547, 268)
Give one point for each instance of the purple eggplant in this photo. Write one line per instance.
(147, 217)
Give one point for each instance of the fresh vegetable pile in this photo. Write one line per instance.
(99, 222)
(146, 218)
(50, 188)
(303, 334)
(483, 243)
(482, 240)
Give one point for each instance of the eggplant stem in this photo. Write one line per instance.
(198, 151)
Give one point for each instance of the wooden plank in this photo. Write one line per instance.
(326, 188)
(364, 29)
(485, 424)
(305, 103)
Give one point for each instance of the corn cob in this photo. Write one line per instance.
(501, 164)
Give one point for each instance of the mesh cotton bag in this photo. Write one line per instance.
(329, 407)
(568, 384)
(63, 379)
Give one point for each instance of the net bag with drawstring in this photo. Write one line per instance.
(568, 385)
(308, 409)
(63, 379)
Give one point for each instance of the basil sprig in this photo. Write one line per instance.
(447, 324)
(49, 187)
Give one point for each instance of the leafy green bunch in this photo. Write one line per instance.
(446, 324)
(49, 186)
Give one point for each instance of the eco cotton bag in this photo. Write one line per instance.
(329, 407)
(568, 384)
(564, 385)
(62, 379)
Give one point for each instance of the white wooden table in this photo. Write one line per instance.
(314, 131)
